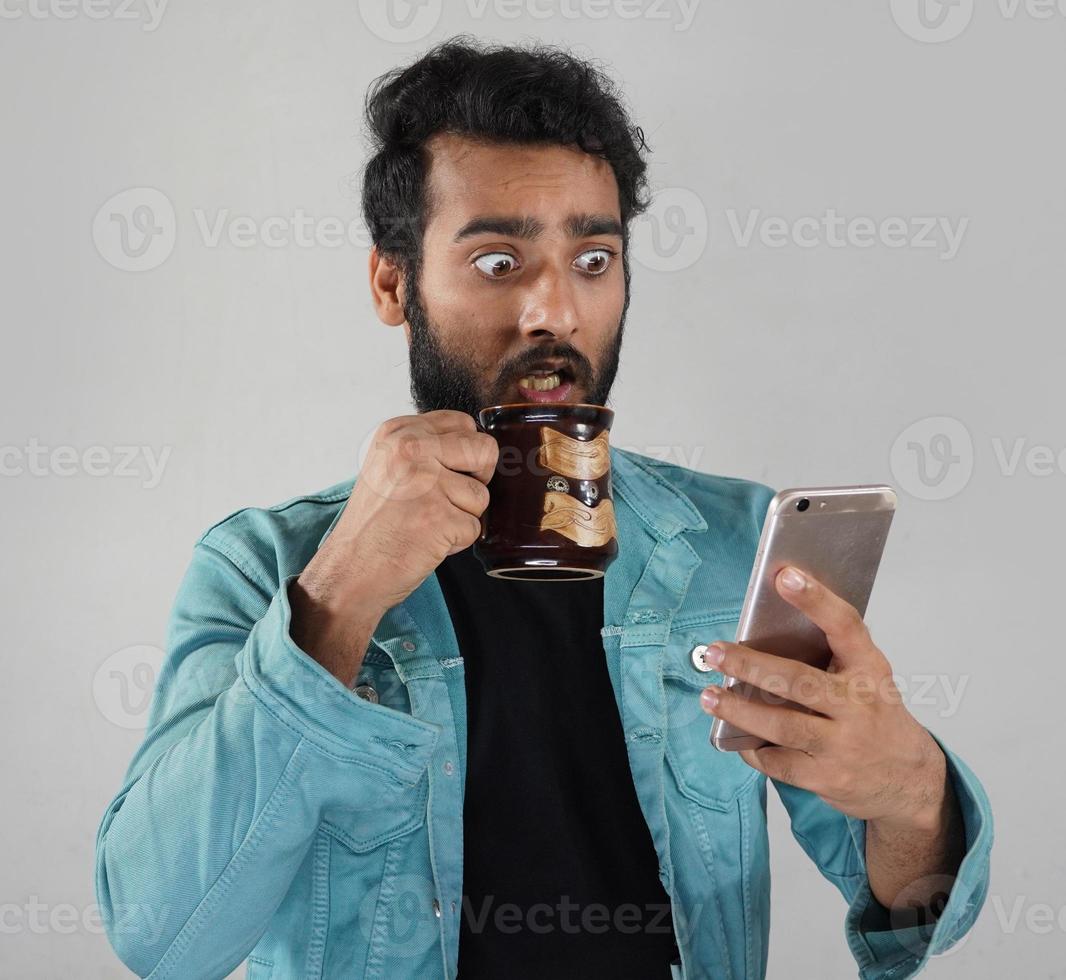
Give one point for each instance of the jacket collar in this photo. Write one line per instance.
(661, 505)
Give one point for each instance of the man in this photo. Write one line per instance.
(366, 758)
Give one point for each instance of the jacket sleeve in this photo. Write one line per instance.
(837, 845)
(249, 741)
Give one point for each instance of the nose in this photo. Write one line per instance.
(550, 310)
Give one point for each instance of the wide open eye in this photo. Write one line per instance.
(596, 261)
(496, 265)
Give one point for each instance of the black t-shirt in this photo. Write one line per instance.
(560, 874)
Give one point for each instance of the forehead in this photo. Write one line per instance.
(467, 177)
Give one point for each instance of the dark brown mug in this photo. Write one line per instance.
(550, 514)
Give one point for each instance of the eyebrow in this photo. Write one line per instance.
(530, 228)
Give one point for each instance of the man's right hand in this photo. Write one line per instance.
(418, 498)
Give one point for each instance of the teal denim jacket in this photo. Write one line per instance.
(272, 815)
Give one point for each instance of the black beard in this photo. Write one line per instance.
(441, 381)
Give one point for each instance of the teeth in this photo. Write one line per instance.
(544, 382)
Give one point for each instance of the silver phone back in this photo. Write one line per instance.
(839, 539)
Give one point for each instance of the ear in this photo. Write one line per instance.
(386, 288)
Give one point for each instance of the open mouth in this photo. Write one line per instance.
(546, 385)
(544, 380)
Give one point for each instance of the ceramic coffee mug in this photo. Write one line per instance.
(550, 514)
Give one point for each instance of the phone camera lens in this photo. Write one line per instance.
(802, 504)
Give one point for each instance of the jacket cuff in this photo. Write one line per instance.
(301, 694)
(886, 953)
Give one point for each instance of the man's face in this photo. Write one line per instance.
(521, 273)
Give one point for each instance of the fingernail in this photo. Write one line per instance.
(714, 654)
(709, 698)
(792, 579)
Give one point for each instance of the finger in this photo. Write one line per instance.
(474, 453)
(782, 676)
(465, 492)
(784, 765)
(841, 622)
(448, 420)
(434, 423)
(774, 722)
(465, 529)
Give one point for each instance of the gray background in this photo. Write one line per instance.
(262, 370)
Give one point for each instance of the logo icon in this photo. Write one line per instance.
(672, 234)
(136, 229)
(932, 459)
(123, 685)
(400, 21)
(932, 21)
(912, 919)
(405, 912)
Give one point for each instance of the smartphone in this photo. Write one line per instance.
(838, 535)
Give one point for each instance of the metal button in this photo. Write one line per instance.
(436, 908)
(697, 659)
(367, 693)
(408, 645)
(448, 768)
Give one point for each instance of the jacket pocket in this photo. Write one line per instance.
(708, 777)
(362, 888)
(364, 829)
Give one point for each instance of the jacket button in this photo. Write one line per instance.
(408, 645)
(436, 908)
(697, 659)
(367, 693)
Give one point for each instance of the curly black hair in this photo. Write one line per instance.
(534, 93)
